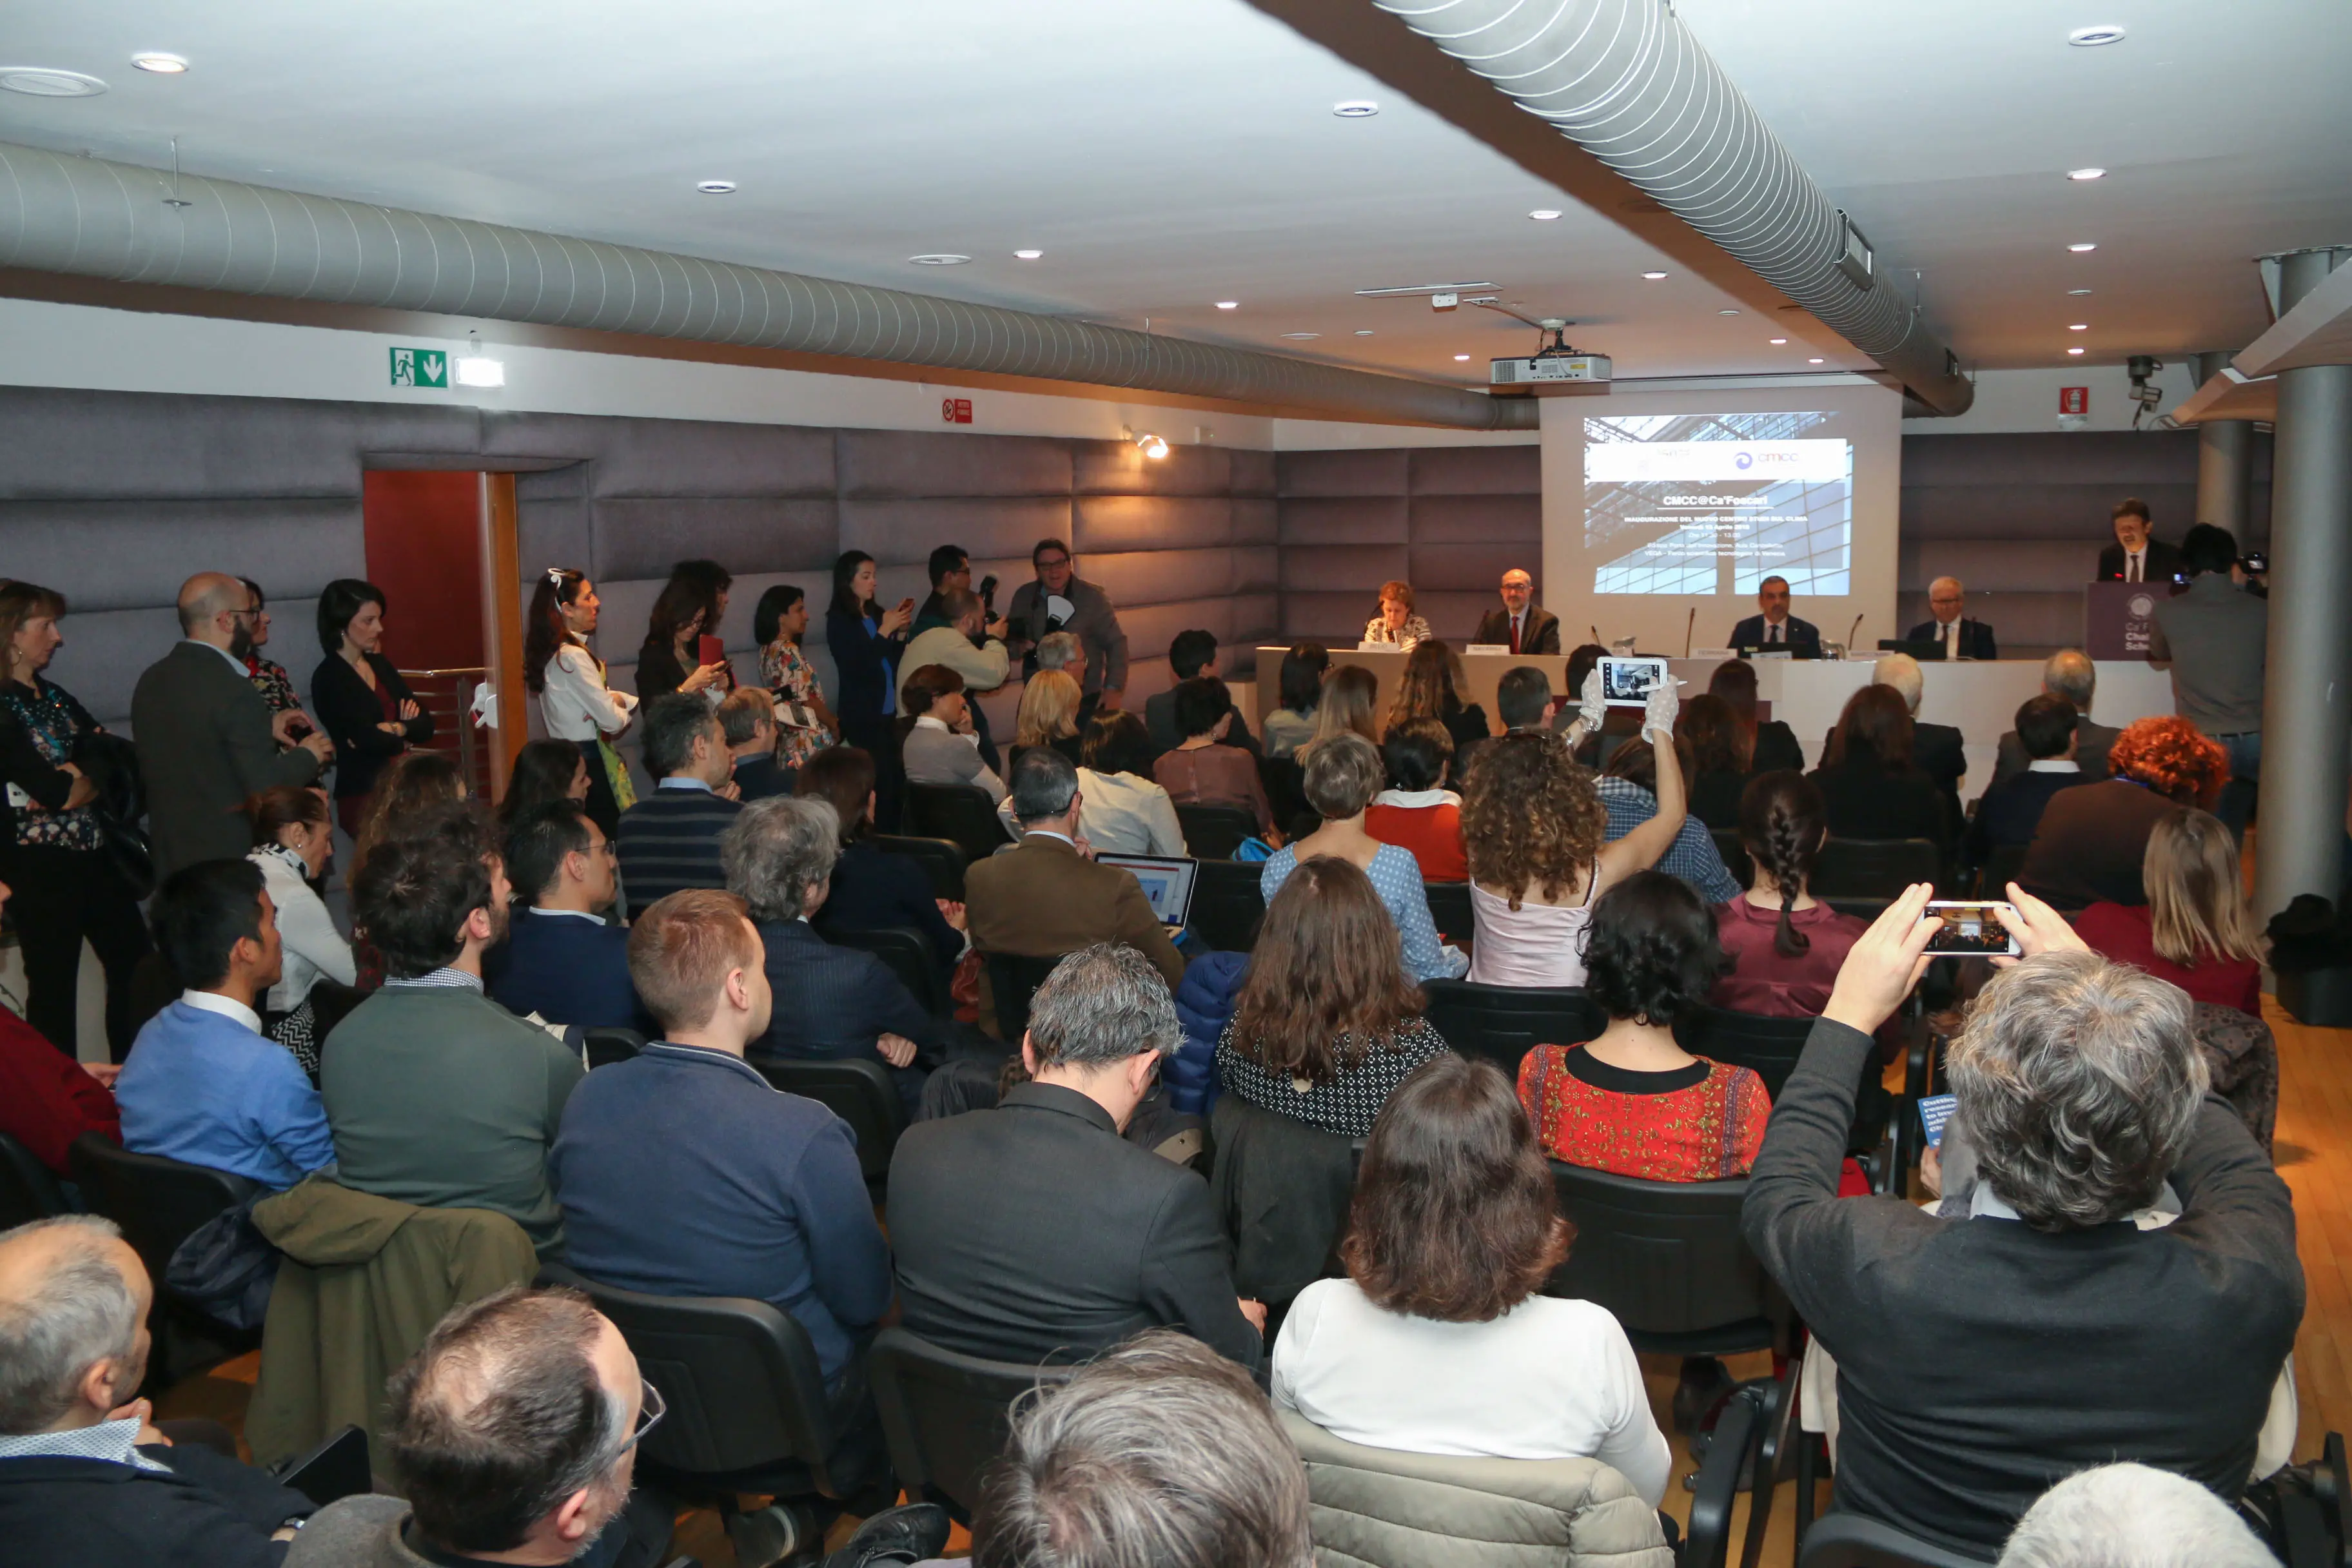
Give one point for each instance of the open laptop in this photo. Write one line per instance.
(1167, 881)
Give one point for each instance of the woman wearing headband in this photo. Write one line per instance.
(572, 697)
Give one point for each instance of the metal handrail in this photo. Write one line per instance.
(455, 722)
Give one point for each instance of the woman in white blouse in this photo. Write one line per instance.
(291, 837)
(1122, 809)
(1436, 1342)
(573, 700)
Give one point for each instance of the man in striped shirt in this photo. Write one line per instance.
(669, 840)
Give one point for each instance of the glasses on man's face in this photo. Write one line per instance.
(649, 1414)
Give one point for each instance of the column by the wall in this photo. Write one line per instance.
(2224, 461)
(2307, 706)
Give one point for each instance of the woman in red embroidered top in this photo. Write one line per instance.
(1633, 1101)
(2195, 928)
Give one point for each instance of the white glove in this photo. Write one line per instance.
(1658, 715)
(1593, 710)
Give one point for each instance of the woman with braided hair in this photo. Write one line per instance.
(1784, 945)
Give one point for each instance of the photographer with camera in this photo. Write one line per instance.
(2215, 641)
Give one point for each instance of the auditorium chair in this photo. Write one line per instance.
(947, 1415)
(608, 1044)
(907, 951)
(159, 1201)
(28, 1190)
(959, 813)
(1769, 1047)
(1214, 832)
(859, 1089)
(1013, 979)
(1862, 876)
(1503, 1022)
(1227, 904)
(1450, 910)
(941, 860)
(1850, 1540)
(1999, 869)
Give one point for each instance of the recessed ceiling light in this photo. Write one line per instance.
(2084, 247)
(1812, 361)
(1301, 337)
(1355, 109)
(2091, 37)
(2078, 290)
(2073, 351)
(1726, 313)
(715, 187)
(1777, 342)
(1653, 276)
(1229, 304)
(1544, 215)
(2086, 174)
(1461, 356)
(1028, 255)
(2080, 327)
(160, 63)
(1363, 331)
(39, 81)
(939, 259)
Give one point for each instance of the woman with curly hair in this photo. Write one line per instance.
(1431, 689)
(2092, 843)
(1536, 835)
(1438, 1341)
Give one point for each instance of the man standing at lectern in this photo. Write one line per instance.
(1961, 637)
(1775, 627)
(1526, 625)
(2135, 557)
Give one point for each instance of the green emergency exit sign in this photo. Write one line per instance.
(420, 367)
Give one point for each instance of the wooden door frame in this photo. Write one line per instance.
(502, 625)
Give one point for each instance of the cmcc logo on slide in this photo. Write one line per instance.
(1745, 460)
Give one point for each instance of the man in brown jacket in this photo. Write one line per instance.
(1047, 897)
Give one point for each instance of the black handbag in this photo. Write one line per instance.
(226, 1268)
(111, 764)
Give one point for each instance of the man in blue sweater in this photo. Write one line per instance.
(564, 959)
(202, 1083)
(681, 1172)
(670, 839)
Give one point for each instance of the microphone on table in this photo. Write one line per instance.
(1595, 631)
(1687, 627)
(1851, 630)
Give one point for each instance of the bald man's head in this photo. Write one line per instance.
(73, 1335)
(205, 598)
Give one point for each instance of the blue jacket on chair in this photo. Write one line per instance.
(1204, 1004)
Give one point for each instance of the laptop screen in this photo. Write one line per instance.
(1167, 882)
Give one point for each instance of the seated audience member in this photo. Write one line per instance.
(872, 889)
(1783, 944)
(47, 1098)
(85, 1475)
(411, 788)
(681, 1172)
(1348, 706)
(2068, 673)
(1771, 744)
(202, 1085)
(1633, 1101)
(670, 839)
(544, 772)
(1342, 775)
(747, 719)
(1936, 749)
(439, 1097)
(1041, 898)
(1060, 651)
(1126, 813)
(1417, 813)
(1870, 786)
(1430, 687)
(1522, 700)
(514, 1429)
(936, 736)
(1718, 753)
(1204, 770)
(1628, 787)
(2011, 809)
(1158, 1450)
(1437, 1341)
(564, 959)
(1048, 715)
(838, 1001)
(1327, 1024)
(1035, 1232)
(1537, 836)
(2092, 842)
(292, 839)
(1191, 655)
(2130, 1516)
(1291, 725)
(2196, 928)
(1994, 1351)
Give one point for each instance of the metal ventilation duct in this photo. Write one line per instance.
(1625, 80)
(102, 219)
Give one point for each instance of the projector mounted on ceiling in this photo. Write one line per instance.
(1554, 369)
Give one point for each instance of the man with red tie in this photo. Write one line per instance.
(1522, 624)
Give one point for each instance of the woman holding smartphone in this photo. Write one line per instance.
(680, 653)
(866, 640)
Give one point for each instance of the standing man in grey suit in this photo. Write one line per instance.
(1058, 600)
(205, 738)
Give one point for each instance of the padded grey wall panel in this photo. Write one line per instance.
(1380, 471)
(1161, 576)
(2055, 511)
(1336, 619)
(1475, 471)
(104, 445)
(1256, 520)
(554, 533)
(898, 533)
(1328, 568)
(1257, 570)
(1446, 519)
(681, 457)
(1464, 568)
(642, 537)
(876, 465)
(106, 650)
(1345, 519)
(1120, 468)
(2125, 459)
(1253, 473)
(1102, 522)
(1454, 614)
(114, 555)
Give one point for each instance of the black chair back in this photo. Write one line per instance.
(942, 861)
(1285, 790)
(1768, 1046)
(1666, 1259)
(1503, 1023)
(1879, 869)
(1450, 910)
(1226, 905)
(154, 987)
(907, 951)
(1214, 832)
(1013, 979)
(1735, 855)
(859, 1089)
(1850, 1540)
(607, 1045)
(963, 815)
(745, 1394)
(946, 1415)
(2001, 869)
(28, 1190)
(157, 1201)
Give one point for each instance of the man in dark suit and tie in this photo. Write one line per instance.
(206, 738)
(1035, 1232)
(1775, 627)
(2068, 673)
(2135, 557)
(1522, 624)
(564, 959)
(1961, 637)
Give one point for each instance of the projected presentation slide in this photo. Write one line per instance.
(1715, 503)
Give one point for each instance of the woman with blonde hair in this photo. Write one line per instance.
(1350, 698)
(1396, 625)
(1431, 689)
(1048, 716)
(2195, 929)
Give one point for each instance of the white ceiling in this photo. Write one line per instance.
(1169, 154)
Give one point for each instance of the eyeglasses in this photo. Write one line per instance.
(649, 1414)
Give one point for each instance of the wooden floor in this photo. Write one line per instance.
(2313, 1154)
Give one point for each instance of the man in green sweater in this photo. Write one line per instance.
(435, 1094)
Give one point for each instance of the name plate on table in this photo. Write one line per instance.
(1487, 647)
